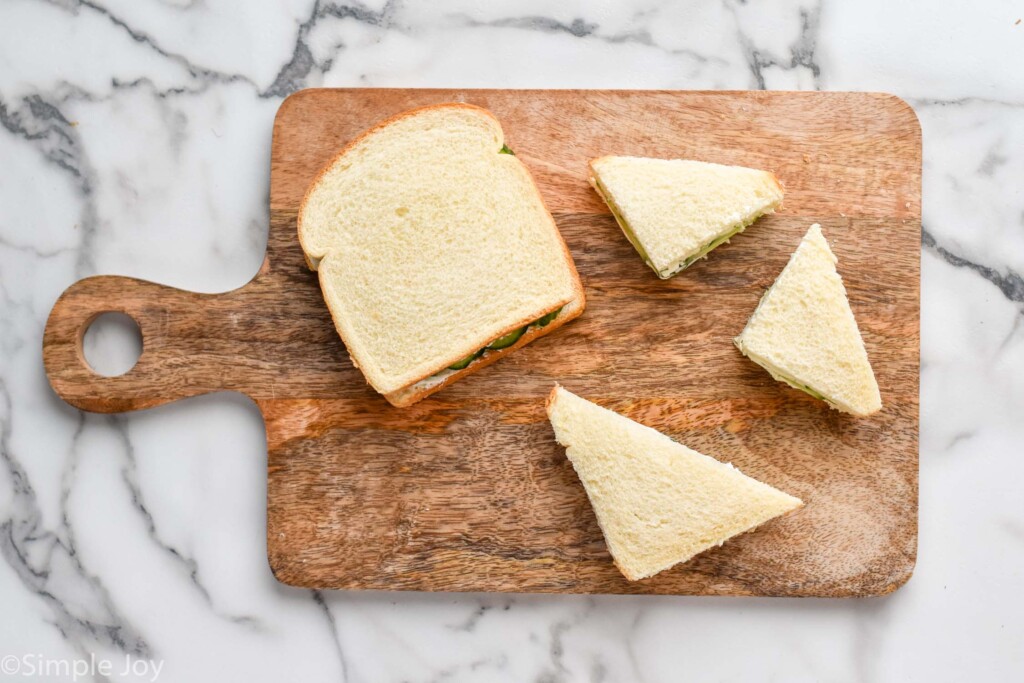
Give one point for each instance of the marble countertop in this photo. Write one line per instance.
(135, 138)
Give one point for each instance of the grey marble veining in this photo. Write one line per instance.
(135, 140)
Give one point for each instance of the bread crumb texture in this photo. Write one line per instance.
(657, 502)
(804, 330)
(430, 244)
(676, 206)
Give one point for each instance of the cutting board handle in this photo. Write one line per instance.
(189, 343)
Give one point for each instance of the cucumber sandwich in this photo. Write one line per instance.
(435, 252)
(803, 332)
(675, 211)
(658, 503)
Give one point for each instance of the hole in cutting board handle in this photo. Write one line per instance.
(112, 344)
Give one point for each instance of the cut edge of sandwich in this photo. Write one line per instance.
(544, 322)
(771, 503)
(702, 252)
(871, 401)
(484, 357)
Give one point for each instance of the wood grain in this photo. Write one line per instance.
(468, 490)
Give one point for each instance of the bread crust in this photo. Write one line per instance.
(396, 397)
(315, 183)
(550, 400)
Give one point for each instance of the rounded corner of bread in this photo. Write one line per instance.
(455, 105)
(441, 106)
(398, 400)
(467, 105)
(581, 305)
(316, 182)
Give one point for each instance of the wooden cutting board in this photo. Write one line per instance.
(467, 490)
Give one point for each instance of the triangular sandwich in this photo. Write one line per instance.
(675, 211)
(658, 502)
(804, 333)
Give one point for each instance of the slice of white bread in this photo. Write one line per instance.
(804, 333)
(432, 241)
(657, 502)
(675, 211)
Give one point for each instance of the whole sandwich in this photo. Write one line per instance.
(435, 252)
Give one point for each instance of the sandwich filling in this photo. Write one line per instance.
(708, 246)
(804, 334)
(623, 224)
(437, 378)
(781, 376)
(504, 341)
(777, 373)
(684, 262)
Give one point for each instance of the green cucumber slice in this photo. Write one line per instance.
(713, 244)
(803, 387)
(458, 365)
(544, 320)
(507, 340)
(631, 236)
(621, 220)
